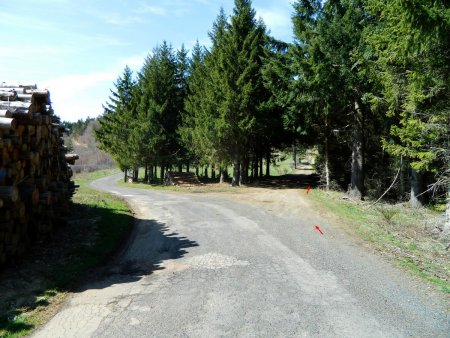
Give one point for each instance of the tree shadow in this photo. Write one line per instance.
(150, 244)
(291, 181)
(95, 249)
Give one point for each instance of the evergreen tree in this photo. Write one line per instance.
(411, 45)
(239, 84)
(334, 85)
(278, 126)
(197, 127)
(159, 109)
(181, 78)
(118, 121)
(199, 130)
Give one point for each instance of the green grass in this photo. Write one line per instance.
(100, 223)
(444, 286)
(394, 229)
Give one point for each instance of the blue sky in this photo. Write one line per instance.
(78, 48)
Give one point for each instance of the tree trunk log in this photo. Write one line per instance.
(9, 193)
(14, 104)
(7, 123)
(5, 113)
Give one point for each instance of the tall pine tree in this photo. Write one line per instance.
(160, 106)
(118, 122)
(411, 44)
(239, 67)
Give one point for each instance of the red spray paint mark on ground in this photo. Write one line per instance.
(307, 190)
(318, 229)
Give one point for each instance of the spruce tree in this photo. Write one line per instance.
(118, 121)
(239, 67)
(197, 128)
(334, 84)
(410, 41)
(159, 108)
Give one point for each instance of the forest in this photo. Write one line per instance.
(365, 81)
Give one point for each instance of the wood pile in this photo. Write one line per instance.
(35, 185)
(181, 179)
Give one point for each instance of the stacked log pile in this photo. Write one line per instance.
(35, 185)
(181, 179)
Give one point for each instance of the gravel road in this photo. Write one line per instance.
(199, 265)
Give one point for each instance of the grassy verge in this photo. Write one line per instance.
(396, 230)
(32, 291)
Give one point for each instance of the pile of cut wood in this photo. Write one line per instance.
(35, 185)
(181, 179)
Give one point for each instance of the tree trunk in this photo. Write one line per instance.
(415, 200)
(187, 167)
(180, 167)
(244, 171)
(135, 174)
(205, 175)
(402, 189)
(196, 171)
(236, 172)
(327, 165)
(125, 176)
(150, 176)
(447, 212)
(255, 168)
(223, 175)
(162, 173)
(294, 155)
(261, 166)
(357, 175)
(213, 171)
(146, 174)
(268, 164)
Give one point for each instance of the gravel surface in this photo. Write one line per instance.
(204, 266)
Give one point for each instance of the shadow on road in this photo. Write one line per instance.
(148, 247)
(79, 253)
(292, 181)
